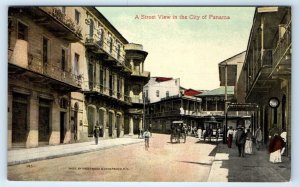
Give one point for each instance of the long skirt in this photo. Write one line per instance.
(275, 157)
(248, 147)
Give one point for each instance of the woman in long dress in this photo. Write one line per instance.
(275, 147)
(248, 145)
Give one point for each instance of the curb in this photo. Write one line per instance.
(12, 163)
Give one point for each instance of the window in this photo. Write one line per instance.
(101, 76)
(118, 51)
(22, 31)
(77, 17)
(167, 94)
(157, 93)
(63, 60)
(91, 75)
(45, 50)
(76, 64)
(100, 34)
(110, 43)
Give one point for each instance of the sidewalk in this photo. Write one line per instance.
(21, 156)
(228, 167)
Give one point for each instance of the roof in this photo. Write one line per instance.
(162, 79)
(219, 91)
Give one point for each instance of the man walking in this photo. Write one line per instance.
(96, 134)
(146, 137)
(240, 140)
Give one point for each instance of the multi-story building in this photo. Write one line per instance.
(266, 76)
(70, 69)
(40, 77)
(166, 103)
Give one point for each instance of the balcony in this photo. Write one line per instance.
(282, 52)
(55, 21)
(145, 74)
(91, 42)
(136, 100)
(21, 58)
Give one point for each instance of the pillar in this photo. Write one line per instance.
(33, 137)
(130, 126)
(55, 123)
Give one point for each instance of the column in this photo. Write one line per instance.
(140, 124)
(55, 125)
(33, 138)
(131, 64)
(114, 127)
(121, 125)
(130, 126)
(105, 127)
(9, 119)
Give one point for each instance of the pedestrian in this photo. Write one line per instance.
(199, 132)
(233, 135)
(240, 140)
(229, 137)
(275, 148)
(283, 136)
(96, 133)
(258, 138)
(248, 144)
(146, 136)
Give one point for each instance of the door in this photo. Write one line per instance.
(110, 123)
(118, 125)
(19, 120)
(44, 121)
(62, 126)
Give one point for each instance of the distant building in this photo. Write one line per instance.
(166, 103)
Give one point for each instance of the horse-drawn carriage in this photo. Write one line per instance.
(178, 131)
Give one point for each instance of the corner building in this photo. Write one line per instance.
(67, 71)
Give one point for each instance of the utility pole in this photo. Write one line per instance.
(225, 109)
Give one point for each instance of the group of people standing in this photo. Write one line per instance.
(244, 141)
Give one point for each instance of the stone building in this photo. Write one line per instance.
(266, 75)
(40, 77)
(70, 69)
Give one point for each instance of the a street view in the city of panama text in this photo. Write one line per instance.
(153, 94)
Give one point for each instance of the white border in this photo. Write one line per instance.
(295, 179)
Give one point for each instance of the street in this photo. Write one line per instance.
(164, 161)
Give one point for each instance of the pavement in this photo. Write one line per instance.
(227, 166)
(26, 155)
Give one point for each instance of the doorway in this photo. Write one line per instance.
(44, 121)
(19, 120)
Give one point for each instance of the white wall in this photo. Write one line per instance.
(172, 86)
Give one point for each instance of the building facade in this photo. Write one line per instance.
(266, 75)
(40, 77)
(69, 69)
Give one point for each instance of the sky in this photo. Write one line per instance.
(187, 48)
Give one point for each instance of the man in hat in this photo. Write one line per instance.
(240, 140)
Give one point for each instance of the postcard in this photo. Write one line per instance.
(149, 94)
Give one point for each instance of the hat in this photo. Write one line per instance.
(240, 127)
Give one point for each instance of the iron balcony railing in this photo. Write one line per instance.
(283, 45)
(59, 16)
